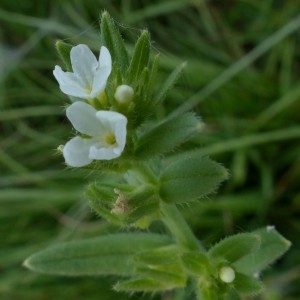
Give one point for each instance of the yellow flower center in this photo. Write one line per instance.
(110, 139)
(102, 98)
(89, 89)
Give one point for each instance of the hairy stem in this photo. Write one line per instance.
(179, 228)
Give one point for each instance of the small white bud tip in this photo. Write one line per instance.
(124, 93)
(227, 274)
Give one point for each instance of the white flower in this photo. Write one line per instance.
(105, 131)
(89, 76)
(124, 93)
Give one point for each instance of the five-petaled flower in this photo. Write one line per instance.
(89, 76)
(104, 135)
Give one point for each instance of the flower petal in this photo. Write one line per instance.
(83, 118)
(102, 73)
(120, 134)
(110, 118)
(84, 64)
(115, 123)
(103, 153)
(100, 80)
(105, 58)
(76, 152)
(69, 83)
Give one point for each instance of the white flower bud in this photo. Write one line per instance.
(124, 93)
(227, 274)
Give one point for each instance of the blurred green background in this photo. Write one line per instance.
(249, 102)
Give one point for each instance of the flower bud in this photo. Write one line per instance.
(124, 93)
(227, 274)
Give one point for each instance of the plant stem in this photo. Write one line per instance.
(179, 228)
(171, 216)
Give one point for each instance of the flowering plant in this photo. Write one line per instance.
(147, 173)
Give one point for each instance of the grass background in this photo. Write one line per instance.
(242, 77)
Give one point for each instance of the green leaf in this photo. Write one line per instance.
(247, 284)
(273, 245)
(161, 256)
(207, 291)
(232, 295)
(169, 275)
(105, 255)
(140, 57)
(167, 135)
(124, 204)
(101, 200)
(142, 202)
(162, 264)
(152, 76)
(111, 38)
(148, 209)
(235, 247)
(64, 50)
(160, 273)
(141, 285)
(168, 84)
(190, 178)
(196, 263)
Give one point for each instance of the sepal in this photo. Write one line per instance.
(111, 38)
(101, 199)
(64, 50)
(140, 58)
(152, 76)
(124, 205)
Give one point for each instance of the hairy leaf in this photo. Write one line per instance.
(111, 38)
(190, 179)
(235, 247)
(140, 57)
(168, 84)
(166, 136)
(105, 255)
(273, 245)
